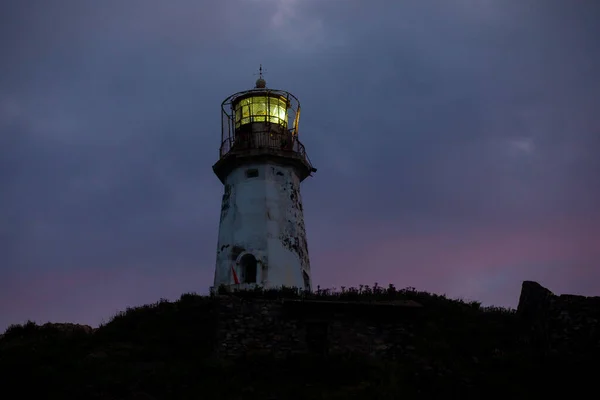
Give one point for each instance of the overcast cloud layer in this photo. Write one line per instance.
(456, 144)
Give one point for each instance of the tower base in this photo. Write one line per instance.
(249, 287)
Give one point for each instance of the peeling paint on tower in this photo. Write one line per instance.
(225, 202)
(293, 234)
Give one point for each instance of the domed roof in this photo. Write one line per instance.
(261, 83)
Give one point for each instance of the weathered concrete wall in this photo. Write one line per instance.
(263, 216)
(565, 324)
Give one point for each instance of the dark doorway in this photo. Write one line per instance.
(306, 281)
(317, 337)
(248, 264)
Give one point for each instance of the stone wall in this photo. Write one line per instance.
(560, 324)
(544, 324)
(285, 327)
(389, 330)
(253, 327)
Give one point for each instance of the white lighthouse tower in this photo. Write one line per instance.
(262, 240)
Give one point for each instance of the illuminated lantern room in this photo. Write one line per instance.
(261, 121)
(261, 108)
(261, 105)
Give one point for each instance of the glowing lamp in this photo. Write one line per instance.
(261, 108)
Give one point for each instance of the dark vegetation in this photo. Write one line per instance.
(165, 351)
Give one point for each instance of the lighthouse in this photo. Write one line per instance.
(262, 237)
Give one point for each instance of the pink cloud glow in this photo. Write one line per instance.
(483, 265)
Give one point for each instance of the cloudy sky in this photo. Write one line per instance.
(456, 143)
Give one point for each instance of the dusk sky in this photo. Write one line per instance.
(457, 144)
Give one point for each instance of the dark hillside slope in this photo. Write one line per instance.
(168, 351)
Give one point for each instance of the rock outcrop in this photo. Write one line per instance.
(564, 324)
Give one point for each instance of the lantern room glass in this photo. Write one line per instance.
(261, 109)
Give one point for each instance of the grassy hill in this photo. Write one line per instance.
(166, 351)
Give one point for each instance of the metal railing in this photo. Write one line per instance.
(264, 140)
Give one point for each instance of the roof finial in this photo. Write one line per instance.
(260, 82)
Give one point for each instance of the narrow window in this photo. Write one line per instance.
(251, 173)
